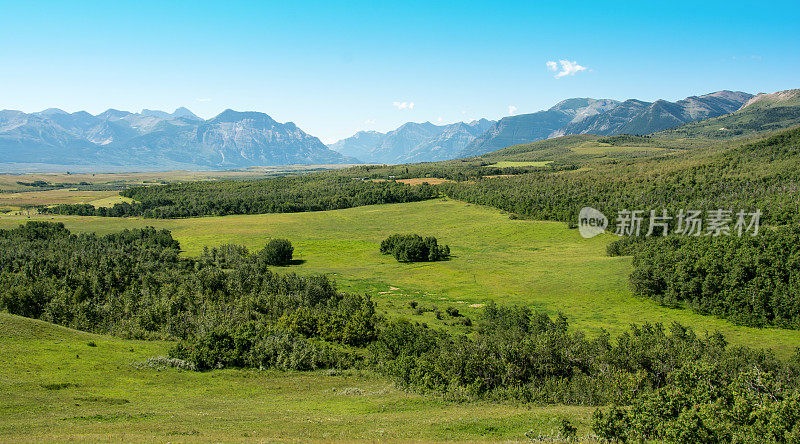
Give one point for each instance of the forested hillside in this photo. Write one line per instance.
(762, 175)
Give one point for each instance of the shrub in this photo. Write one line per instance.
(277, 252)
(413, 248)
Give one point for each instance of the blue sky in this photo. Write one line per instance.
(337, 67)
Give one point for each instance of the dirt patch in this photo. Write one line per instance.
(421, 180)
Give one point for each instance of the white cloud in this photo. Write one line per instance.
(439, 119)
(403, 105)
(567, 68)
(203, 100)
(512, 110)
(369, 122)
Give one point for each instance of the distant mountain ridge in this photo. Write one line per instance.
(761, 113)
(604, 117)
(412, 142)
(156, 139)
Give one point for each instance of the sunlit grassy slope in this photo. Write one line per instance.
(61, 196)
(61, 385)
(543, 265)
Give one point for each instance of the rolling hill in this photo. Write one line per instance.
(762, 113)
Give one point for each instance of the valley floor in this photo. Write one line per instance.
(542, 265)
(58, 384)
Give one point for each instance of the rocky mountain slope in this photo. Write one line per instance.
(412, 142)
(604, 117)
(157, 140)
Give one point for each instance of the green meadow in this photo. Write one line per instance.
(543, 265)
(62, 385)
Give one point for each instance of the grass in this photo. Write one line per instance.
(582, 148)
(61, 196)
(73, 391)
(543, 265)
(10, 182)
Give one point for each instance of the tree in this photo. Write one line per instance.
(413, 248)
(277, 252)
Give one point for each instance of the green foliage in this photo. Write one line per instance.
(413, 248)
(225, 256)
(566, 430)
(312, 192)
(762, 175)
(519, 354)
(247, 316)
(256, 345)
(277, 252)
(452, 311)
(750, 280)
(626, 245)
(626, 140)
(703, 403)
(227, 307)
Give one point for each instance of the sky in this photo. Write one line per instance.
(335, 68)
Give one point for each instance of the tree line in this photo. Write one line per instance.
(752, 281)
(313, 192)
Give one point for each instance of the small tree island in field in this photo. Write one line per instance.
(413, 248)
(277, 252)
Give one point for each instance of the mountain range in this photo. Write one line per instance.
(157, 140)
(603, 117)
(412, 142)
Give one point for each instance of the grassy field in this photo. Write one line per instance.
(61, 196)
(10, 182)
(543, 265)
(582, 148)
(83, 387)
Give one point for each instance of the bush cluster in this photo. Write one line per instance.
(277, 252)
(413, 248)
(135, 284)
